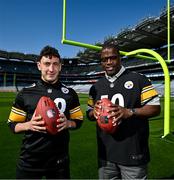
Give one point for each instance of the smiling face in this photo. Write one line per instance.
(50, 67)
(110, 61)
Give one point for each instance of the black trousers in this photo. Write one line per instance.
(61, 172)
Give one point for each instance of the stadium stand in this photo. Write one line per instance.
(19, 69)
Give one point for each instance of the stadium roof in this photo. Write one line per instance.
(150, 33)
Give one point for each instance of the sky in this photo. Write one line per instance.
(29, 25)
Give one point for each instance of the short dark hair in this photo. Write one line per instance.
(111, 46)
(48, 51)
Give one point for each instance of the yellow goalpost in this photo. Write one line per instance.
(137, 53)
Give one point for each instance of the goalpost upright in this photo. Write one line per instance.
(136, 53)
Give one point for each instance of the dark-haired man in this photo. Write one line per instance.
(43, 154)
(124, 154)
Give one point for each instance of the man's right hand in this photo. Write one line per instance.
(96, 110)
(36, 124)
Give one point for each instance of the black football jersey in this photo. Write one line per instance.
(129, 144)
(41, 151)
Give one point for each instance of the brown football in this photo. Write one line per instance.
(103, 121)
(49, 112)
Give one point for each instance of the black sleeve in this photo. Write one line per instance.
(78, 124)
(91, 102)
(87, 115)
(18, 103)
(75, 110)
(12, 125)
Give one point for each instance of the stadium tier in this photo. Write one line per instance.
(15, 72)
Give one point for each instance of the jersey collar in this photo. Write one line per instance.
(55, 85)
(113, 78)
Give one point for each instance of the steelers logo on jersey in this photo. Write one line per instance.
(65, 90)
(128, 84)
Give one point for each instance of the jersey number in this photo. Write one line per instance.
(61, 104)
(116, 99)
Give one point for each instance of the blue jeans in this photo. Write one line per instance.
(116, 171)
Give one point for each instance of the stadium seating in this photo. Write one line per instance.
(21, 73)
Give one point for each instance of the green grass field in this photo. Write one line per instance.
(83, 146)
